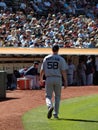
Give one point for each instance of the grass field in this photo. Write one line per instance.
(79, 113)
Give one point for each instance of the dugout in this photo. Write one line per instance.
(16, 58)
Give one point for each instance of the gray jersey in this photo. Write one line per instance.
(53, 64)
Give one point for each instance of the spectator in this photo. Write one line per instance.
(51, 24)
(3, 5)
(89, 11)
(92, 43)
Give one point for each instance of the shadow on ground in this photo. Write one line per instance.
(7, 99)
(79, 120)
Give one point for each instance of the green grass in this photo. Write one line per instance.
(79, 113)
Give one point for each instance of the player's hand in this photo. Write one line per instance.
(41, 81)
(65, 84)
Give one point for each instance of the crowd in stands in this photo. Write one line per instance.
(41, 23)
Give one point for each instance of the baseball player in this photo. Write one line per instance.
(32, 73)
(53, 67)
(70, 72)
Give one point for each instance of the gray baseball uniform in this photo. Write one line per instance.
(52, 66)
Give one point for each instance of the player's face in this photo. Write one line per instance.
(36, 66)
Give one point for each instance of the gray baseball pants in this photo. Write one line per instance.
(53, 85)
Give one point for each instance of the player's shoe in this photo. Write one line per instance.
(55, 116)
(49, 115)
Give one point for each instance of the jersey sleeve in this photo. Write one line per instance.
(64, 65)
(42, 65)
